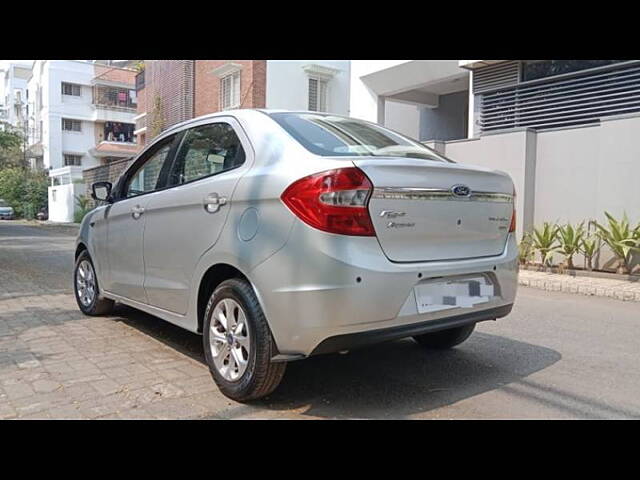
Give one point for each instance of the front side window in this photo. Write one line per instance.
(230, 91)
(146, 179)
(71, 125)
(70, 89)
(330, 136)
(317, 95)
(205, 151)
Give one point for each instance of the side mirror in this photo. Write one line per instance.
(101, 191)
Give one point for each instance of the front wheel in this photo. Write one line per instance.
(445, 338)
(238, 344)
(86, 288)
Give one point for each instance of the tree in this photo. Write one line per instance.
(11, 143)
(156, 125)
(24, 190)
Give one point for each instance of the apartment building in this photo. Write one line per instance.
(171, 91)
(81, 116)
(14, 109)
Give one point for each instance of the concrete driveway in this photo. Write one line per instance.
(556, 356)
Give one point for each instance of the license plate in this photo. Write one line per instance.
(455, 293)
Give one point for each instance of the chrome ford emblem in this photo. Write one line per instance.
(461, 190)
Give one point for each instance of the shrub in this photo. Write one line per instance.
(525, 249)
(621, 239)
(84, 207)
(545, 241)
(570, 239)
(589, 247)
(24, 190)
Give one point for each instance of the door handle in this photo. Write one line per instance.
(213, 202)
(137, 211)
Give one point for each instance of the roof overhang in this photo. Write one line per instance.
(473, 64)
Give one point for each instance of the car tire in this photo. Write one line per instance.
(249, 373)
(96, 304)
(445, 338)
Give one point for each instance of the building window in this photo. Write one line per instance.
(71, 125)
(317, 95)
(71, 89)
(72, 160)
(230, 91)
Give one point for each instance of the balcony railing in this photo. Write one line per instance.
(114, 98)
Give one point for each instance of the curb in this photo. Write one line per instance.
(628, 291)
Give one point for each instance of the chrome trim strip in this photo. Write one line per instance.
(408, 193)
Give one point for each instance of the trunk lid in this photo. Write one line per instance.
(425, 210)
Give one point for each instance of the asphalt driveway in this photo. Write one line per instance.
(557, 355)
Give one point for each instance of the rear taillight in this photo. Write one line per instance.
(334, 201)
(512, 227)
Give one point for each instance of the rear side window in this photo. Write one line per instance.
(206, 151)
(331, 136)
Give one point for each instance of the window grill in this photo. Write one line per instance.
(230, 91)
(317, 95)
(577, 99)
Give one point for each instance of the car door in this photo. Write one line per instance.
(187, 219)
(125, 220)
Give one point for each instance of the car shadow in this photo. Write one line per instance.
(390, 380)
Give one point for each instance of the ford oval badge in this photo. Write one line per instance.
(461, 190)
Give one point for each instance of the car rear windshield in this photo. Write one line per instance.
(331, 135)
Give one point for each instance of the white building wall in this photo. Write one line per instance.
(57, 106)
(363, 102)
(13, 85)
(288, 85)
(62, 201)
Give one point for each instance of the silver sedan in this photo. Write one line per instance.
(278, 235)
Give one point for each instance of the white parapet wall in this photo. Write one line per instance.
(62, 201)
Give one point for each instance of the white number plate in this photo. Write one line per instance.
(456, 293)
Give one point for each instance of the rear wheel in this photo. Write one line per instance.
(445, 338)
(238, 344)
(86, 288)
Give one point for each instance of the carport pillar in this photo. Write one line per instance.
(381, 108)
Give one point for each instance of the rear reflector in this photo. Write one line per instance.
(512, 227)
(334, 201)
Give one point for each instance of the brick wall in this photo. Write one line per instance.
(253, 79)
(188, 88)
(172, 82)
(105, 173)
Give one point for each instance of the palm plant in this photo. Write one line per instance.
(589, 247)
(525, 248)
(84, 207)
(621, 239)
(545, 241)
(570, 239)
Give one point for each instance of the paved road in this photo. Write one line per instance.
(556, 356)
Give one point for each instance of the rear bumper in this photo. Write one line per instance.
(360, 339)
(321, 292)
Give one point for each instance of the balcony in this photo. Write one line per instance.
(114, 149)
(114, 98)
(141, 123)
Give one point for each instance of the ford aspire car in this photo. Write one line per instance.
(279, 235)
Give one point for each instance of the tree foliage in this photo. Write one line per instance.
(23, 189)
(11, 154)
